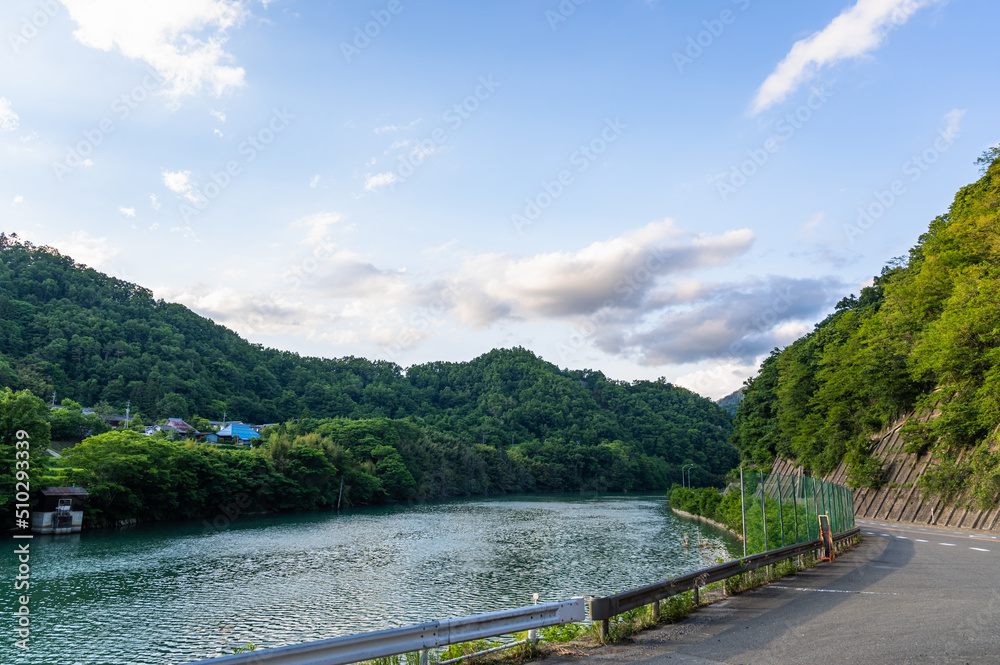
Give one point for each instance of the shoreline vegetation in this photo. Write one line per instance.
(702, 518)
(310, 464)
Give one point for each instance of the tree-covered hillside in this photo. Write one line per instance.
(924, 338)
(96, 340)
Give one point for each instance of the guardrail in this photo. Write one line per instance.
(603, 609)
(395, 641)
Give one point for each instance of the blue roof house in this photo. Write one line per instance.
(239, 433)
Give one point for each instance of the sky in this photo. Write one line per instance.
(649, 188)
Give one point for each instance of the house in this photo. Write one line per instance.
(60, 510)
(237, 433)
(172, 426)
(179, 426)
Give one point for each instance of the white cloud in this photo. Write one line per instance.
(87, 163)
(953, 120)
(374, 182)
(855, 32)
(217, 133)
(85, 249)
(17, 200)
(8, 119)
(314, 181)
(625, 272)
(219, 115)
(180, 182)
(128, 212)
(396, 128)
(317, 224)
(154, 203)
(181, 40)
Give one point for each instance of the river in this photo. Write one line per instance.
(172, 593)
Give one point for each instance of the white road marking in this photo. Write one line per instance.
(947, 544)
(886, 535)
(797, 588)
(902, 537)
(978, 549)
(921, 540)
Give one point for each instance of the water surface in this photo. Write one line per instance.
(173, 593)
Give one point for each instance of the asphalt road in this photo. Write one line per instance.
(907, 594)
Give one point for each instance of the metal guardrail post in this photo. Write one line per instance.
(743, 512)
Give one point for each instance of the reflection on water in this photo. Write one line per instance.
(168, 594)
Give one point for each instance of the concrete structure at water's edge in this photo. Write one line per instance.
(60, 510)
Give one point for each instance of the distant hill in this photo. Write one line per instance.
(95, 339)
(921, 343)
(731, 401)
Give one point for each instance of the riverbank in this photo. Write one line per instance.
(717, 525)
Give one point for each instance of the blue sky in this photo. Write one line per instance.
(648, 188)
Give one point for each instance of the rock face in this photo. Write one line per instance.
(900, 499)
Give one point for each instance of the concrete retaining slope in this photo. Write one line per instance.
(900, 499)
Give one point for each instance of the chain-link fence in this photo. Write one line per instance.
(779, 509)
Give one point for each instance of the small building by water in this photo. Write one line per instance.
(59, 510)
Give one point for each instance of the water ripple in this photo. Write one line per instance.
(169, 594)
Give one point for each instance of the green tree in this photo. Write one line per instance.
(24, 438)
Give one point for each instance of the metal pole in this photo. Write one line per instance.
(824, 493)
(816, 505)
(835, 489)
(851, 492)
(795, 507)
(763, 508)
(781, 517)
(743, 513)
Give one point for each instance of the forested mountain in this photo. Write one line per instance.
(95, 339)
(731, 402)
(923, 339)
